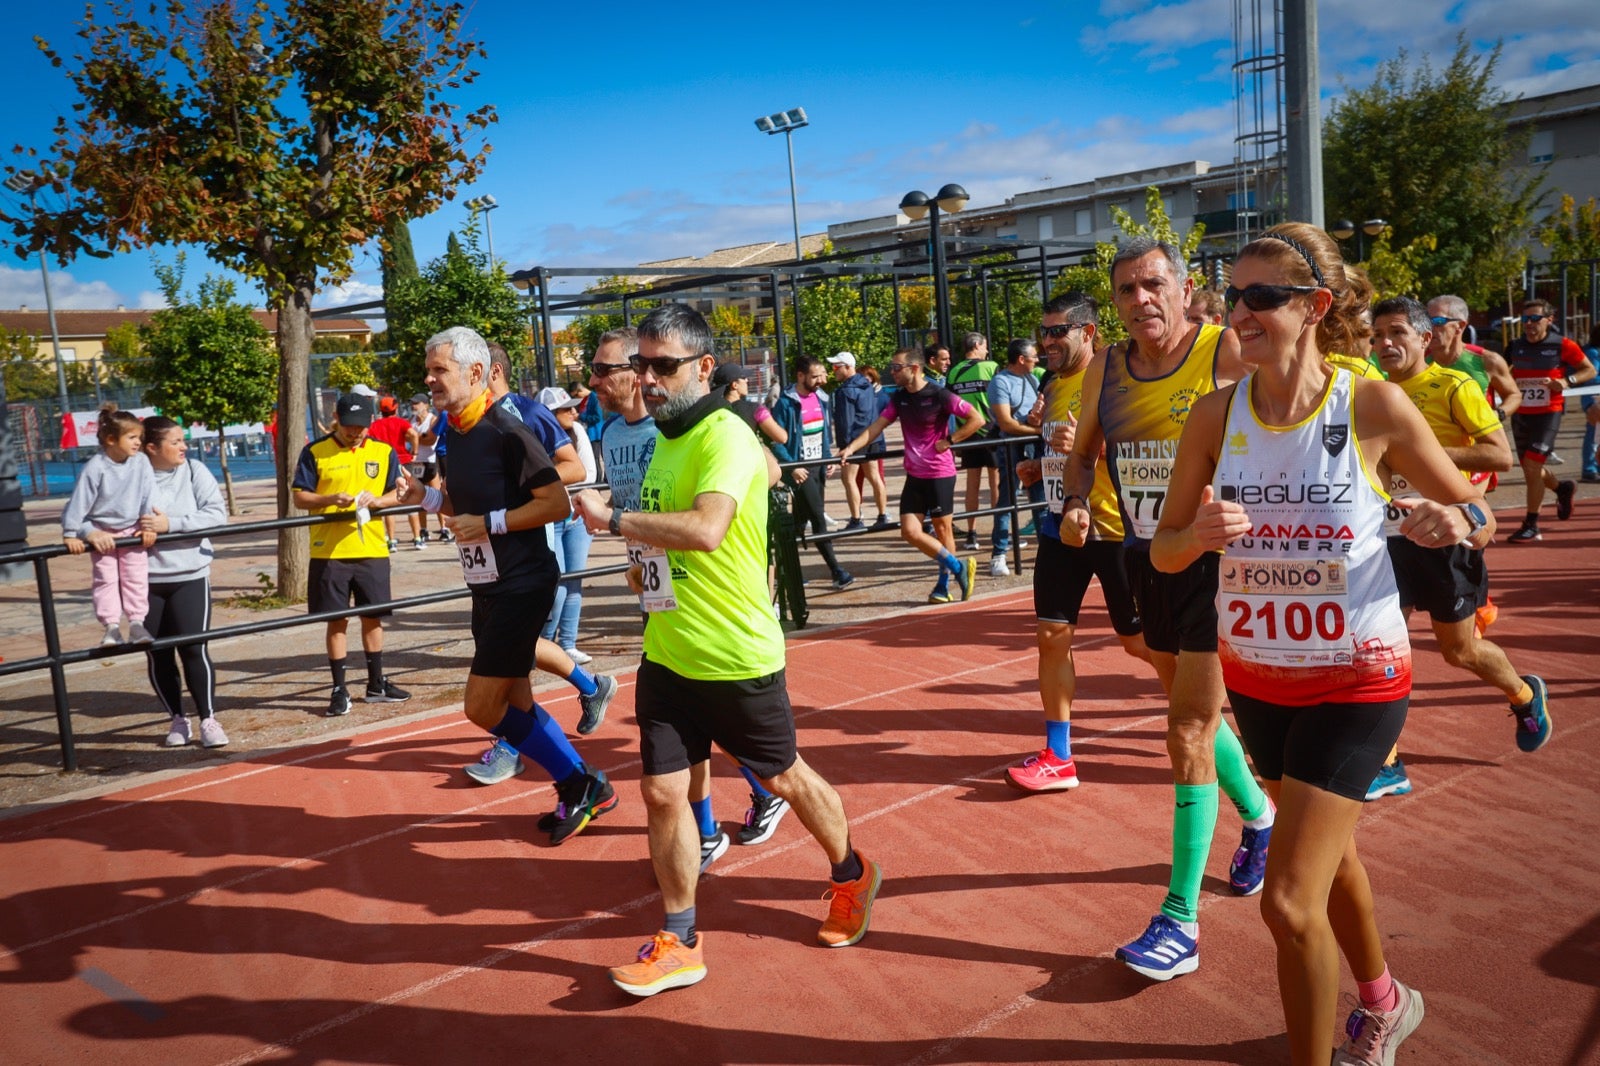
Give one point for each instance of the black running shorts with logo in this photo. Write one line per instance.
(334, 584)
(680, 718)
(1535, 435)
(1337, 747)
(1061, 577)
(1449, 583)
(1179, 611)
(934, 497)
(505, 630)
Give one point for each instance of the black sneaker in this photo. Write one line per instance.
(1564, 491)
(853, 525)
(1528, 533)
(842, 579)
(762, 819)
(712, 848)
(971, 543)
(584, 797)
(386, 692)
(594, 707)
(882, 524)
(339, 705)
(445, 536)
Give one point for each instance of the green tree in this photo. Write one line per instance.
(211, 362)
(352, 368)
(1572, 235)
(125, 357)
(280, 135)
(1094, 277)
(457, 289)
(586, 330)
(1397, 271)
(1428, 152)
(28, 376)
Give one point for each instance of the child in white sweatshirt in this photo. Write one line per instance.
(112, 492)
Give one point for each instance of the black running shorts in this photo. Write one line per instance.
(1449, 583)
(1179, 611)
(334, 584)
(1337, 747)
(680, 718)
(505, 630)
(1535, 435)
(934, 497)
(1061, 577)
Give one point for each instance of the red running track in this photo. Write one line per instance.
(361, 902)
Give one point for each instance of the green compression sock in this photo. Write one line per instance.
(1194, 819)
(1238, 783)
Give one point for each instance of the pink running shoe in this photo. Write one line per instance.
(1044, 772)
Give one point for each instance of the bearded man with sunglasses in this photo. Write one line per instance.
(713, 665)
(1135, 403)
(1545, 365)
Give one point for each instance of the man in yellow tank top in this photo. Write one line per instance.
(1135, 403)
(1449, 583)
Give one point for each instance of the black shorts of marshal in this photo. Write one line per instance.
(680, 718)
(505, 629)
(932, 497)
(1449, 583)
(1178, 611)
(334, 584)
(1061, 576)
(1336, 747)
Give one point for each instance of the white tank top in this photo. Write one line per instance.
(1307, 610)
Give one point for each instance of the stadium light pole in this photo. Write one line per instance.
(24, 183)
(916, 204)
(484, 204)
(786, 122)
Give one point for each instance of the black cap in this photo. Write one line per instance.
(355, 410)
(422, 397)
(726, 374)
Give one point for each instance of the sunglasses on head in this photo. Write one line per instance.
(662, 366)
(1057, 332)
(605, 370)
(1265, 297)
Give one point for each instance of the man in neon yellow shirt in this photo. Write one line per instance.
(713, 666)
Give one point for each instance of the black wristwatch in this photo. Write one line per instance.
(1476, 519)
(616, 521)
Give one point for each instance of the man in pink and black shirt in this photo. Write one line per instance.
(923, 410)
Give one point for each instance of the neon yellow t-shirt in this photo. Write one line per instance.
(723, 628)
(1452, 403)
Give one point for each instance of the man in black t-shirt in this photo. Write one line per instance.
(501, 492)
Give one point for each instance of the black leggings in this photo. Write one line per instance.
(808, 508)
(180, 608)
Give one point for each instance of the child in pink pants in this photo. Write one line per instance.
(111, 494)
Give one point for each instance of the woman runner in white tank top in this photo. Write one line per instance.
(1281, 474)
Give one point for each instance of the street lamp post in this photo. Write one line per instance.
(1344, 229)
(915, 204)
(786, 122)
(29, 184)
(485, 204)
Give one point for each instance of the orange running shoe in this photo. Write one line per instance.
(1486, 616)
(850, 912)
(663, 963)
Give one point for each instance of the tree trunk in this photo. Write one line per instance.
(295, 331)
(227, 475)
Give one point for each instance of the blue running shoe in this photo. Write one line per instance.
(1391, 781)
(498, 764)
(1164, 952)
(1249, 866)
(1533, 721)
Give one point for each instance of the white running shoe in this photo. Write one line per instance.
(178, 735)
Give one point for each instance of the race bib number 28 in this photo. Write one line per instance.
(655, 579)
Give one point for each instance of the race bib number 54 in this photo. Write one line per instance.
(478, 563)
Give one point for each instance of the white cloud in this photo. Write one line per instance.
(24, 287)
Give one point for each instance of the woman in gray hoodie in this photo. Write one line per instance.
(185, 498)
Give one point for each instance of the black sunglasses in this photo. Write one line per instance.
(1265, 297)
(605, 370)
(662, 366)
(1057, 332)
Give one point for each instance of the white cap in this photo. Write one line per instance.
(843, 359)
(556, 399)
(363, 390)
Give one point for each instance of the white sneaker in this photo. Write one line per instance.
(500, 762)
(113, 636)
(178, 735)
(1373, 1037)
(999, 567)
(211, 734)
(577, 656)
(138, 634)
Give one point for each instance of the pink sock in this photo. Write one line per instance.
(1381, 995)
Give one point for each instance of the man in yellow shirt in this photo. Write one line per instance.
(1450, 583)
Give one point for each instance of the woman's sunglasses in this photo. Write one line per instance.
(1265, 297)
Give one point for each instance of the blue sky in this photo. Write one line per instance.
(627, 136)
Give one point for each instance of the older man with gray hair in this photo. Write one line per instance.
(502, 491)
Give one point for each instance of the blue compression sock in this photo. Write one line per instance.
(755, 783)
(538, 736)
(948, 561)
(583, 682)
(703, 816)
(1058, 736)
